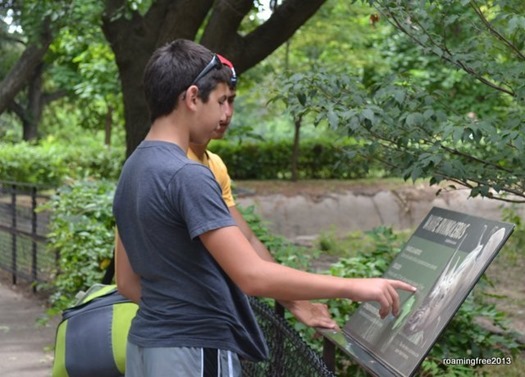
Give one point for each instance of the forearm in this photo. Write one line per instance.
(263, 277)
(256, 244)
(128, 282)
(258, 277)
(288, 285)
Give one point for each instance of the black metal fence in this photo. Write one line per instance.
(23, 232)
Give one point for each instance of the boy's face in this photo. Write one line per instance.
(211, 114)
(223, 125)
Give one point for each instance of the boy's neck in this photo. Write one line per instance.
(198, 149)
(167, 129)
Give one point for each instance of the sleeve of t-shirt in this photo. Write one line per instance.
(196, 196)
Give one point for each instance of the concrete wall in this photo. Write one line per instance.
(302, 215)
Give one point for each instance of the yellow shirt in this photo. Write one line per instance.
(219, 170)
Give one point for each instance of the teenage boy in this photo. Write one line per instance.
(194, 264)
(310, 313)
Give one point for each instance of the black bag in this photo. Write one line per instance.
(92, 336)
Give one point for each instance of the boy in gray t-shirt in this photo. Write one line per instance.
(193, 262)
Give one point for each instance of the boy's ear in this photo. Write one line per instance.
(190, 96)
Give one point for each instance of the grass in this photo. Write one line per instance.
(350, 244)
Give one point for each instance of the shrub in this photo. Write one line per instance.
(318, 159)
(50, 163)
(82, 231)
(27, 163)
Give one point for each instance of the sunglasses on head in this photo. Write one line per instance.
(227, 63)
(217, 62)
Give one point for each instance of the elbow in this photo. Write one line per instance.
(123, 291)
(128, 290)
(253, 284)
(253, 290)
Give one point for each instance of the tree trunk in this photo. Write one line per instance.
(30, 113)
(25, 67)
(295, 149)
(34, 105)
(108, 126)
(134, 38)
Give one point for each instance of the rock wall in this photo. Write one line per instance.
(302, 215)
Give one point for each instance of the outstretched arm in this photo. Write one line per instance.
(309, 313)
(259, 277)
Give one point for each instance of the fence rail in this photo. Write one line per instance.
(23, 232)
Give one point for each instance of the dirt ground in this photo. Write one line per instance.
(315, 188)
(506, 273)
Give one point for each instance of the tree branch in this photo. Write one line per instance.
(47, 98)
(221, 32)
(493, 31)
(178, 19)
(395, 22)
(280, 27)
(17, 109)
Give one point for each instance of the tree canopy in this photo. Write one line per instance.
(218, 25)
(134, 29)
(424, 129)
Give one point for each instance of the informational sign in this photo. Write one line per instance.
(444, 259)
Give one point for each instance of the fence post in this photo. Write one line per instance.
(34, 260)
(329, 354)
(13, 233)
(279, 309)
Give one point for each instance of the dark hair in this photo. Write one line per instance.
(171, 70)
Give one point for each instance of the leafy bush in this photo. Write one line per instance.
(50, 163)
(318, 159)
(82, 231)
(26, 163)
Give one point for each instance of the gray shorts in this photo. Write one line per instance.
(181, 362)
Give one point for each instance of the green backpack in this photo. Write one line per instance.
(91, 338)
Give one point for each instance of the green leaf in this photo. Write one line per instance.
(302, 98)
(368, 114)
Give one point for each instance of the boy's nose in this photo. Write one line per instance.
(223, 116)
(229, 110)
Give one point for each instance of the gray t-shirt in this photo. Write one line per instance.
(163, 202)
